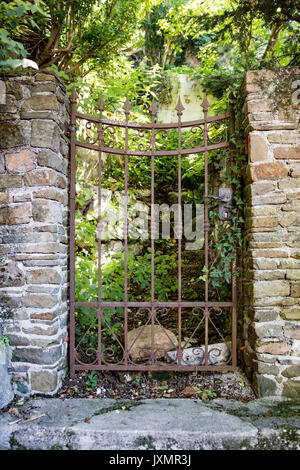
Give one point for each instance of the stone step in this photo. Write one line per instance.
(161, 424)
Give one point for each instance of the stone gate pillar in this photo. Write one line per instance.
(270, 317)
(33, 228)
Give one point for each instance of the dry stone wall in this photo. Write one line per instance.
(270, 313)
(34, 115)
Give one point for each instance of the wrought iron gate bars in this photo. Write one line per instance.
(205, 306)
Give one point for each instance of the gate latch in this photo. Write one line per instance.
(225, 197)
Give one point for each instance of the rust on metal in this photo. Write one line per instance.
(202, 310)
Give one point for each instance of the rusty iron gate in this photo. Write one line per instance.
(101, 357)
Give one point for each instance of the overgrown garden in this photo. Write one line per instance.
(129, 48)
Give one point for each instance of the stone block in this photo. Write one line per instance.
(53, 160)
(40, 300)
(18, 340)
(44, 316)
(292, 331)
(268, 171)
(271, 253)
(295, 289)
(43, 381)
(282, 137)
(35, 355)
(258, 106)
(262, 263)
(290, 153)
(45, 133)
(267, 369)
(21, 162)
(38, 88)
(271, 288)
(295, 351)
(10, 181)
(289, 184)
(4, 197)
(2, 167)
(292, 313)
(6, 391)
(14, 134)
(44, 330)
(46, 211)
(266, 386)
(40, 178)
(268, 330)
(43, 276)
(42, 101)
(263, 222)
(289, 264)
(45, 77)
(291, 389)
(258, 148)
(11, 275)
(32, 248)
(15, 214)
(288, 219)
(51, 193)
(292, 371)
(293, 274)
(276, 197)
(262, 187)
(256, 80)
(278, 348)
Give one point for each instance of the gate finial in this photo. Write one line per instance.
(127, 106)
(101, 102)
(205, 104)
(179, 108)
(153, 108)
(74, 96)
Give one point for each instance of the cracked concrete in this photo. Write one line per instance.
(175, 424)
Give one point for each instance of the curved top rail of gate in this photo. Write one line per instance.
(106, 125)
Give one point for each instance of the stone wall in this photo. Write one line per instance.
(270, 317)
(33, 228)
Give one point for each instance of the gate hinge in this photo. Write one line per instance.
(69, 129)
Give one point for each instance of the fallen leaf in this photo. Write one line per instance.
(20, 402)
(14, 412)
(188, 392)
(241, 384)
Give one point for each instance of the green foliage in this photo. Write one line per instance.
(14, 16)
(70, 34)
(206, 394)
(4, 342)
(92, 381)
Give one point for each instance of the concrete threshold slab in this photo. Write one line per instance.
(162, 424)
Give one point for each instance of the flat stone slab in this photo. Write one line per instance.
(162, 424)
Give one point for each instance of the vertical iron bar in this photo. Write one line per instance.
(100, 310)
(153, 110)
(72, 232)
(179, 108)
(127, 110)
(233, 263)
(205, 106)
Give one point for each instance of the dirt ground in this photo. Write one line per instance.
(141, 385)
